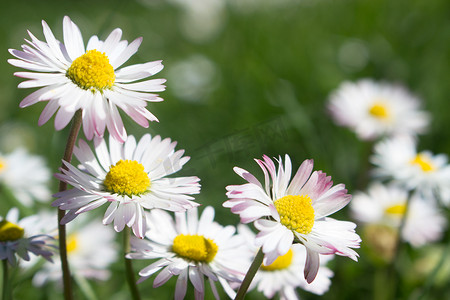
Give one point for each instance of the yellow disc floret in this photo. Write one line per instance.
(195, 247)
(282, 262)
(2, 165)
(379, 110)
(397, 209)
(423, 162)
(128, 178)
(72, 243)
(92, 71)
(296, 213)
(10, 231)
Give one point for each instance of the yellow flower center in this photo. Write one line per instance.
(92, 71)
(10, 231)
(195, 247)
(282, 262)
(379, 110)
(2, 165)
(296, 213)
(397, 209)
(127, 177)
(423, 162)
(72, 243)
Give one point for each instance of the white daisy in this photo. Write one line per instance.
(43, 222)
(25, 175)
(130, 177)
(71, 77)
(287, 211)
(386, 205)
(282, 275)
(191, 248)
(16, 239)
(398, 159)
(90, 249)
(373, 109)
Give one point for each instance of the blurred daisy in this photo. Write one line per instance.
(130, 177)
(191, 248)
(374, 109)
(397, 158)
(386, 205)
(282, 275)
(297, 211)
(85, 262)
(15, 239)
(71, 77)
(25, 175)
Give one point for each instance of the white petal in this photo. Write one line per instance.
(111, 41)
(139, 71)
(72, 39)
(300, 178)
(102, 153)
(162, 278)
(93, 43)
(129, 147)
(152, 85)
(52, 42)
(51, 107)
(115, 150)
(115, 124)
(196, 279)
(181, 287)
(311, 265)
(109, 214)
(127, 53)
(63, 118)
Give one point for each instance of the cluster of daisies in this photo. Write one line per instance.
(410, 187)
(133, 180)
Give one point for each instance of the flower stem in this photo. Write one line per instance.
(67, 281)
(393, 272)
(85, 288)
(129, 266)
(250, 274)
(5, 290)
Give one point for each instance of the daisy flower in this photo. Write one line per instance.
(130, 177)
(398, 159)
(90, 248)
(15, 239)
(71, 77)
(289, 211)
(282, 275)
(25, 175)
(374, 109)
(191, 248)
(386, 205)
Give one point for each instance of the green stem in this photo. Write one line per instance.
(400, 229)
(393, 272)
(129, 266)
(250, 274)
(85, 288)
(67, 280)
(5, 291)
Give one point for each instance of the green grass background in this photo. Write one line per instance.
(270, 67)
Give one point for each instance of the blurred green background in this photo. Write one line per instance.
(247, 78)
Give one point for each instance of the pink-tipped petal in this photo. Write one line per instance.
(312, 265)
